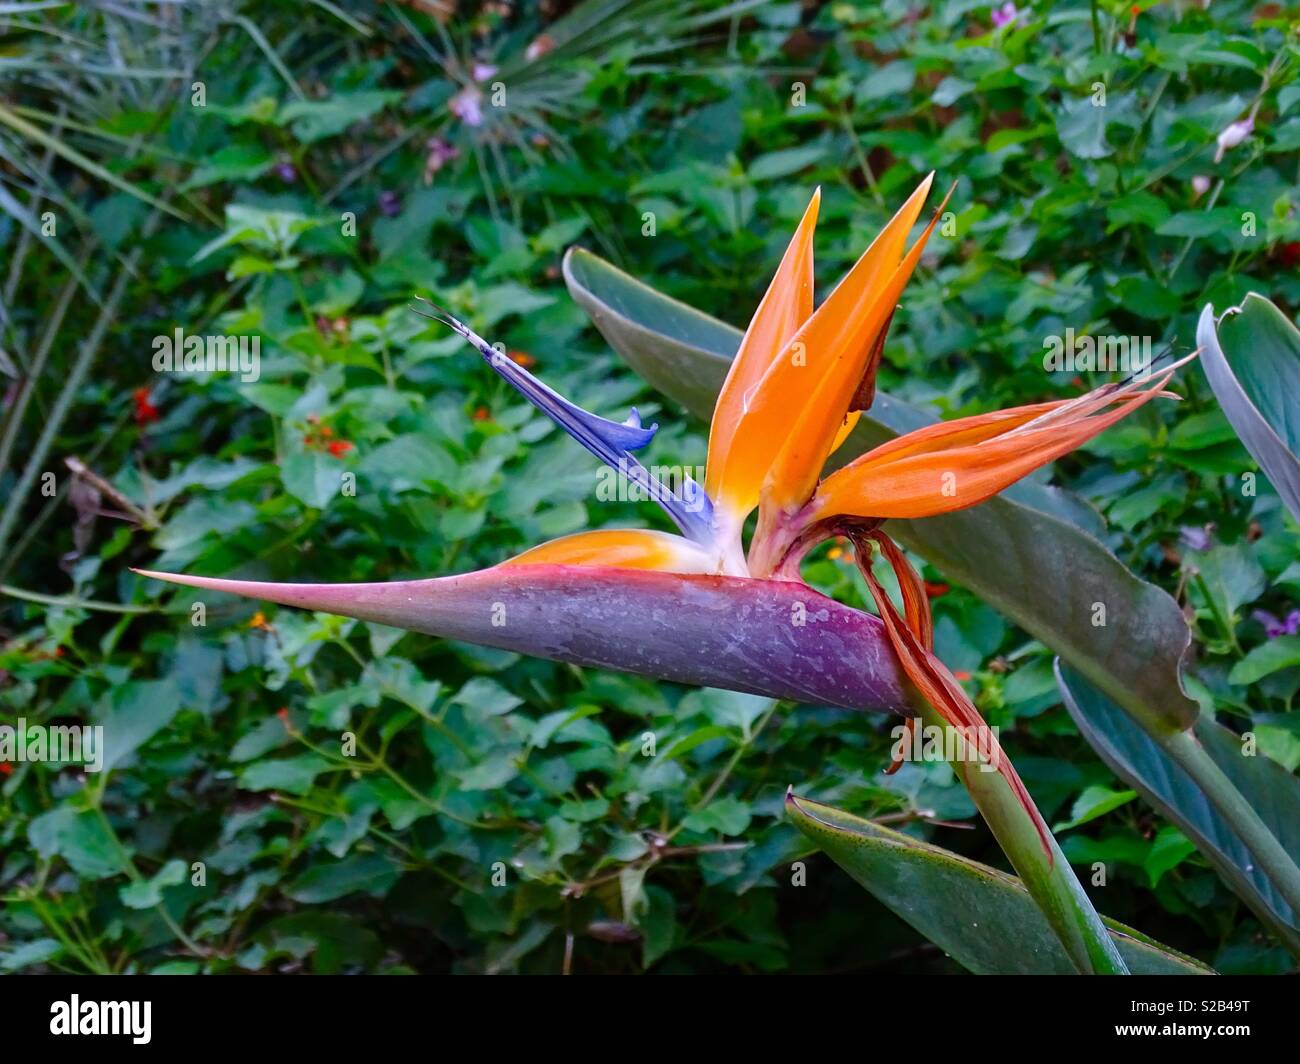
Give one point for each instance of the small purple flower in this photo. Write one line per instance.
(390, 203)
(482, 71)
(441, 151)
(1200, 186)
(1232, 135)
(1274, 627)
(1004, 15)
(467, 105)
(286, 172)
(1194, 537)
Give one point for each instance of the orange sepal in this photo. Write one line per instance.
(621, 548)
(783, 310)
(836, 340)
(811, 428)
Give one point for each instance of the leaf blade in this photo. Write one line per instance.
(1139, 760)
(1252, 361)
(983, 918)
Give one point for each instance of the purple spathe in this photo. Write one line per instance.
(776, 638)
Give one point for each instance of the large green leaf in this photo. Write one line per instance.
(1030, 552)
(1252, 361)
(1142, 762)
(984, 919)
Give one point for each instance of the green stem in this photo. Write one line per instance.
(721, 778)
(75, 377)
(27, 387)
(1230, 804)
(72, 602)
(1225, 623)
(98, 966)
(1049, 878)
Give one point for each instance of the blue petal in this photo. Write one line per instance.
(611, 441)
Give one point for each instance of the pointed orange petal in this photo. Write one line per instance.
(809, 435)
(622, 548)
(925, 483)
(784, 308)
(835, 340)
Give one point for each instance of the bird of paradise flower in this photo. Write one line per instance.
(698, 606)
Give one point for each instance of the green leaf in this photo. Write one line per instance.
(562, 837)
(1170, 849)
(1230, 574)
(486, 697)
(1081, 125)
(1280, 743)
(1196, 224)
(1137, 208)
(292, 774)
(30, 954)
(891, 80)
(727, 816)
(984, 919)
(313, 120)
(406, 462)
(81, 839)
(1266, 659)
(1094, 802)
(950, 90)
(268, 230)
(687, 743)
(783, 163)
(491, 772)
(658, 925)
(368, 873)
(134, 713)
(1141, 761)
(1052, 572)
(312, 477)
(234, 162)
(146, 893)
(1252, 361)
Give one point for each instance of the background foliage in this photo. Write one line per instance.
(232, 218)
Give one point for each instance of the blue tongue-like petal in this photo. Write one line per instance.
(611, 441)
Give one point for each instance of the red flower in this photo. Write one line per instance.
(6, 769)
(145, 411)
(338, 448)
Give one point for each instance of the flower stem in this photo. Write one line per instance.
(1229, 802)
(1047, 876)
